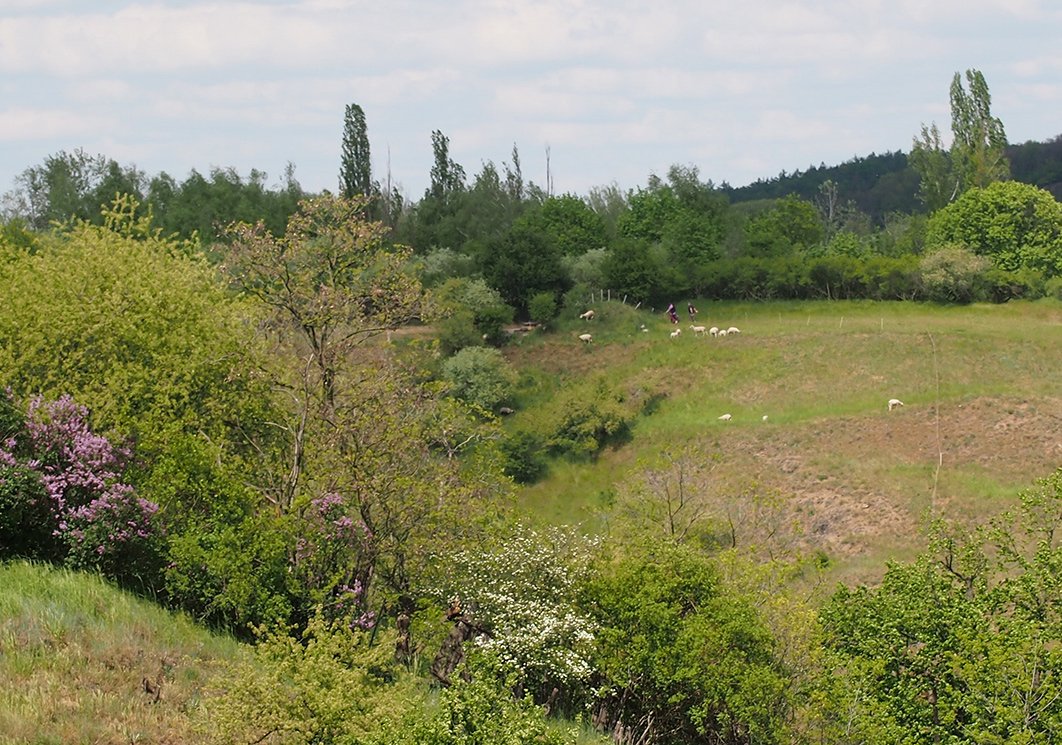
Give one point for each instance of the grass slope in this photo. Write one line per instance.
(833, 468)
(75, 654)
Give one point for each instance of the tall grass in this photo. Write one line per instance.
(81, 661)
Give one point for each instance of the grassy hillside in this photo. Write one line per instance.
(831, 469)
(83, 662)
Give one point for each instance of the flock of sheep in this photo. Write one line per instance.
(701, 331)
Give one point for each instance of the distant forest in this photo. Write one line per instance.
(887, 183)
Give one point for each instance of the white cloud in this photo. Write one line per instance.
(617, 88)
(28, 124)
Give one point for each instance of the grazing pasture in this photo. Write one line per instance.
(831, 469)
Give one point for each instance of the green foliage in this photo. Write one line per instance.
(203, 206)
(480, 376)
(978, 148)
(523, 263)
(682, 656)
(16, 237)
(73, 186)
(130, 325)
(442, 264)
(479, 709)
(524, 459)
(977, 156)
(1013, 224)
(325, 684)
(355, 172)
(631, 270)
(542, 307)
(458, 331)
(587, 420)
(587, 269)
(791, 226)
(961, 645)
(938, 183)
(472, 310)
(26, 520)
(234, 576)
(953, 274)
(568, 223)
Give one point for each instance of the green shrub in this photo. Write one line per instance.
(954, 274)
(524, 460)
(683, 656)
(1053, 288)
(542, 307)
(326, 685)
(480, 376)
(458, 331)
(26, 520)
(489, 313)
(479, 709)
(586, 421)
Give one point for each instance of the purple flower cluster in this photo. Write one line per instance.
(334, 524)
(331, 558)
(99, 517)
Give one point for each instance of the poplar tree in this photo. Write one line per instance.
(979, 143)
(355, 176)
(977, 156)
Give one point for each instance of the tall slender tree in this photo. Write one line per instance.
(355, 175)
(979, 143)
(977, 156)
(447, 177)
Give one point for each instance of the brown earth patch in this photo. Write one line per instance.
(847, 484)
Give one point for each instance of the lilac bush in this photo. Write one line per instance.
(97, 519)
(332, 560)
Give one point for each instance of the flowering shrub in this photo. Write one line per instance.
(331, 560)
(65, 476)
(524, 592)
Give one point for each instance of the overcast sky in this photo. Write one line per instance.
(615, 89)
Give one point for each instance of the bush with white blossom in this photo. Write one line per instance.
(523, 592)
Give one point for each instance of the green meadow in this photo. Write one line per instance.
(981, 384)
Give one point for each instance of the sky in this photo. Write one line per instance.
(591, 92)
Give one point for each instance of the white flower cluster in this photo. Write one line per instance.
(524, 592)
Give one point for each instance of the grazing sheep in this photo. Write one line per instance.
(714, 331)
(722, 332)
(894, 402)
(733, 330)
(699, 330)
(765, 417)
(724, 418)
(675, 333)
(588, 316)
(586, 338)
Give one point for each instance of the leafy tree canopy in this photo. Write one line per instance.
(1015, 225)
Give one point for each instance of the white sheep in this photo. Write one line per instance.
(733, 330)
(724, 418)
(765, 417)
(586, 338)
(588, 316)
(699, 330)
(894, 402)
(722, 332)
(675, 333)
(714, 331)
